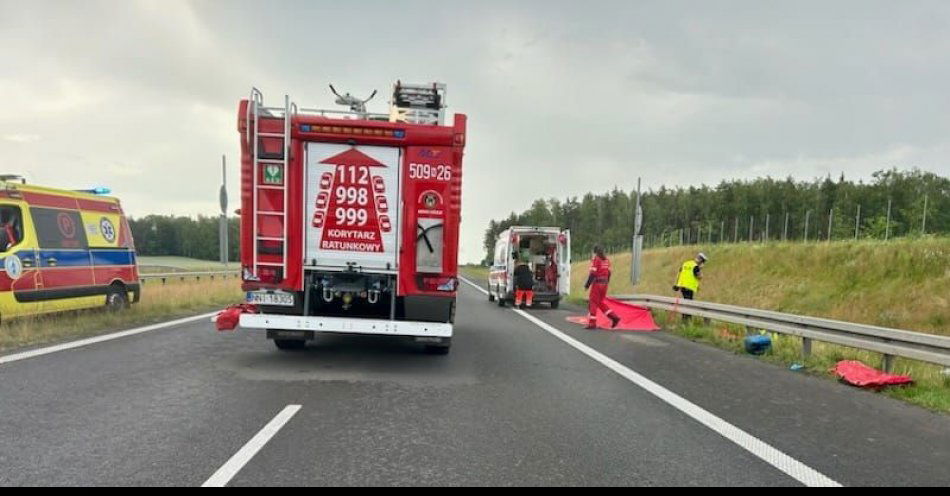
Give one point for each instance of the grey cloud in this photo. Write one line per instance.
(563, 97)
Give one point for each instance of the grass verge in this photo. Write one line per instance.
(152, 265)
(159, 303)
(900, 284)
(474, 273)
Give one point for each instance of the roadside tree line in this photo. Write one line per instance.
(167, 235)
(894, 203)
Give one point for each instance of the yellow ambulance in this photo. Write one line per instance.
(63, 250)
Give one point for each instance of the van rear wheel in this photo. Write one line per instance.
(117, 298)
(491, 296)
(555, 304)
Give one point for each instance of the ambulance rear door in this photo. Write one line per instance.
(352, 207)
(564, 261)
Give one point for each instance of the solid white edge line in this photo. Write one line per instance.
(762, 450)
(223, 476)
(16, 357)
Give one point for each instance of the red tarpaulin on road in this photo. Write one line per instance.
(859, 374)
(632, 318)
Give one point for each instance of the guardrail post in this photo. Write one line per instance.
(889, 363)
(806, 348)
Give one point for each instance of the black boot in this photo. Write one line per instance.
(614, 321)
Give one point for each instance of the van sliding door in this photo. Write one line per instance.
(64, 261)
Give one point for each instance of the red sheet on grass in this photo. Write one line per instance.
(859, 374)
(632, 318)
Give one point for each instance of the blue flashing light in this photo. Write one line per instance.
(305, 128)
(99, 190)
(399, 133)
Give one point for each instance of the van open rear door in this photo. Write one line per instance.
(352, 207)
(564, 271)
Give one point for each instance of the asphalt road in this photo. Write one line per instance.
(512, 405)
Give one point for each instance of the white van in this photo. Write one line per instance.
(548, 253)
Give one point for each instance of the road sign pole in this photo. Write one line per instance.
(635, 265)
(223, 227)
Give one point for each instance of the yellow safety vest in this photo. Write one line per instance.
(687, 278)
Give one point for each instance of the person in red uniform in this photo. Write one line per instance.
(597, 283)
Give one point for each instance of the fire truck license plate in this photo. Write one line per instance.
(271, 299)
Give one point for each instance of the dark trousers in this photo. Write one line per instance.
(688, 294)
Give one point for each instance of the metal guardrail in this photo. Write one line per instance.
(889, 342)
(181, 276)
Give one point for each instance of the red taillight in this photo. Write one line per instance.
(322, 200)
(382, 204)
(318, 220)
(385, 224)
(326, 181)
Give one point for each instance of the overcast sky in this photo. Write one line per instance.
(563, 97)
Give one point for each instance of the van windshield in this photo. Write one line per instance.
(11, 227)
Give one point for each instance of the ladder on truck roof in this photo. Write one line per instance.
(255, 111)
(418, 103)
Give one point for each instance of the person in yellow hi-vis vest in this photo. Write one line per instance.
(691, 273)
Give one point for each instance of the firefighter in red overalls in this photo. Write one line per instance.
(597, 282)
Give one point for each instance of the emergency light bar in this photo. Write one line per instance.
(100, 191)
(354, 131)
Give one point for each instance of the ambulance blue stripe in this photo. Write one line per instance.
(112, 257)
(81, 258)
(64, 258)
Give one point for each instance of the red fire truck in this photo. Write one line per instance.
(350, 220)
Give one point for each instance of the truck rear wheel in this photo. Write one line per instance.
(555, 304)
(290, 344)
(491, 296)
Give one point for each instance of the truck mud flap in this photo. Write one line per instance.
(429, 308)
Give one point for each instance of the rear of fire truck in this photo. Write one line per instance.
(350, 220)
